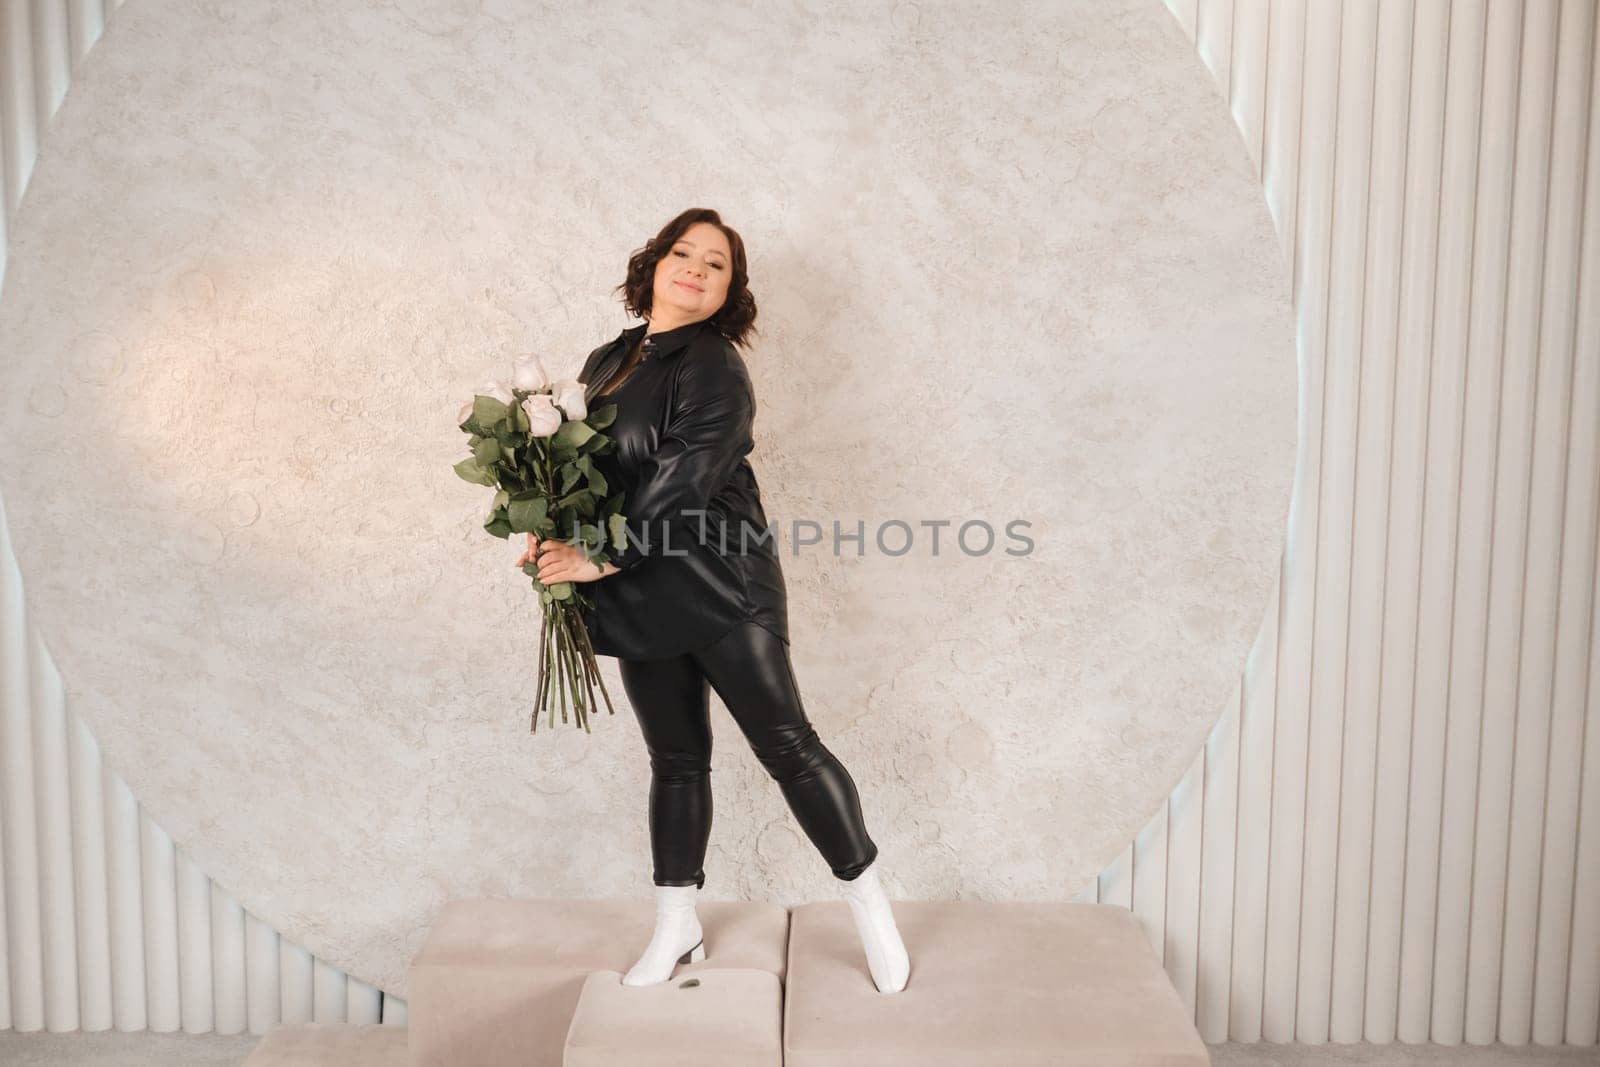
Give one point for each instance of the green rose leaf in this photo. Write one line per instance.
(528, 515)
(572, 434)
(486, 411)
(576, 500)
(469, 470)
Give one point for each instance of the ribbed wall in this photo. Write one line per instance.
(1433, 873)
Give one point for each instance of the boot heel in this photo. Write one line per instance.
(694, 955)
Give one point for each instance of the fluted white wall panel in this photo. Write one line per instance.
(1401, 754)
(1569, 959)
(1393, 833)
(1360, 796)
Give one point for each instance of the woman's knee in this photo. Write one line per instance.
(791, 751)
(680, 766)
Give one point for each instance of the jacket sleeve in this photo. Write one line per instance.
(707, 434)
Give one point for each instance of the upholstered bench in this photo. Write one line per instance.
(713, 1017)
(497, 980)
(1020, 984)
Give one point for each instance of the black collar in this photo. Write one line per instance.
(666, 342)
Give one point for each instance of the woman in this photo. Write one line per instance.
(696, 599)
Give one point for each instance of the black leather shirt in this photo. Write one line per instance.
(683, 430)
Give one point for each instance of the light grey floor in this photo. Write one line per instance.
(108, 1048)
(145, 1049)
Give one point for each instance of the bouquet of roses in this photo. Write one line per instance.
(533, 441)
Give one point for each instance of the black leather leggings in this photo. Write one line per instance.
(750, 670)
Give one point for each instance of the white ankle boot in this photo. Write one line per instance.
(678, 937)
(886, 953)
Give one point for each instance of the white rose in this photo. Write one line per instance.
(528, 375)
(499, 390)
(466, 410)
(544, 418)
(568, 395)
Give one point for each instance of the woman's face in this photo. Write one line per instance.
(692, 278)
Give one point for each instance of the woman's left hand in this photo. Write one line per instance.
(560, 562)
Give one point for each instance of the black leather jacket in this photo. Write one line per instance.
(683, 431)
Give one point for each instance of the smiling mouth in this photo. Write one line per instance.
(689, 287)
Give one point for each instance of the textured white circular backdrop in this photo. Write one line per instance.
(1006, 271)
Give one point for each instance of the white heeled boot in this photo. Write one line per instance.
(886, 953)
(678, 937)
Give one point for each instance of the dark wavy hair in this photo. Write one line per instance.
(736, 318)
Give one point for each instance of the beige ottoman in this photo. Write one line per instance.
(715, 1017)
(498, 979)
(1022, 984)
